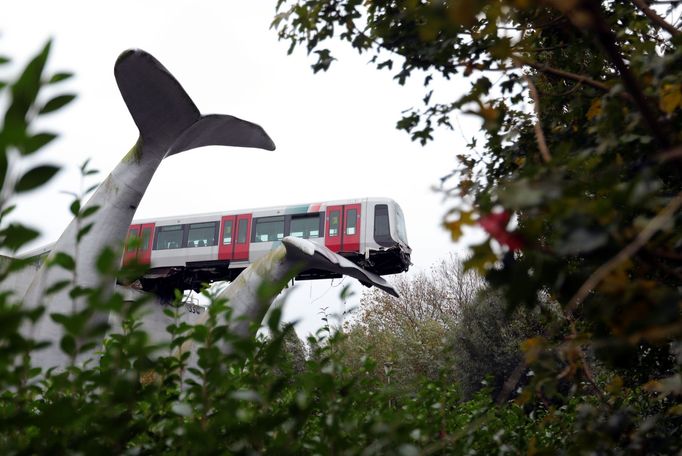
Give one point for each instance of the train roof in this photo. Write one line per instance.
(285, 210)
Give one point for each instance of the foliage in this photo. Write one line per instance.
(446, 326)
(408, 337)
(573, 212)
(572, 176)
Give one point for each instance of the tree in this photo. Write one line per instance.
(586, 173)
(407, 336)
(574, 175)
(445, 323)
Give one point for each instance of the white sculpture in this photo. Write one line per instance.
(169, 123)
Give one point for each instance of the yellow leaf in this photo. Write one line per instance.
(675, 410)
(595, 109)
(615, 385)
(488, 113)
(455, 226)
(671, 97)
(532, 348)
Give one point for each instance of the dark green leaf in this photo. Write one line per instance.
(8, 210)
(68, 345)
(107, 261)
(83, 231)
(58, 77)
(57, 286)
(77, 292)
(56, 103)
(16, 235)
(64, 260)
(24, 93)
(91, 189)
(36, 142)
(75, 207)
(36, 177)
(88, 211)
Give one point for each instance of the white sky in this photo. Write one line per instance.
(335, 132)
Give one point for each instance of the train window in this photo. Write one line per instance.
(241, 235)
(201, 234)
(351, 221)
(334, 223)
(146, 234)
(382, 229)
(305, 226)
(169, 237)
(400, 225)
(227, 232)
(131, 241)
(269, 229)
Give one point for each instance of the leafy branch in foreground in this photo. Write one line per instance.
(572, 177)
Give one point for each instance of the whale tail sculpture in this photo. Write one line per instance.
(168, 123)
(166, 116)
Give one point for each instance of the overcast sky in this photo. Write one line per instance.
(335, 132)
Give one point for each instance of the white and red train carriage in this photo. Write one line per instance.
(184, 252)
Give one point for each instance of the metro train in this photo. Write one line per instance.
(185, 252)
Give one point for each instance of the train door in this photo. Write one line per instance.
(226, 238)
(235, 237)
(332, 234)
(342, 228)
(142, 251)
(351, 228)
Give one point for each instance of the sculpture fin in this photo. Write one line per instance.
(222, 130)
(320, 257)
(157, 102)
(166, 116)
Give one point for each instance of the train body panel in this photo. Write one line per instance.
(186, 251)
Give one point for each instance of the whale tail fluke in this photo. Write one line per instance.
(317, 256)
(222, 130)
(167, 117)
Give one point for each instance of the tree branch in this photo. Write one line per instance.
(546, 69)
(539, 135)
(642, 238)
(655, 18)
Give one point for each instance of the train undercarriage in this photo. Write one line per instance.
(164, 281)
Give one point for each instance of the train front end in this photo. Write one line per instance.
(387, 249)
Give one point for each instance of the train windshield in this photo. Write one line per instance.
(400, 224)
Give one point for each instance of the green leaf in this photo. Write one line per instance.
(91, 189)
(59, 77)
(88, 211)
(36, 177)
(36, 142)
(75, 207)
(68, 345)
(4, 59)
(64, 260)
(77, 292)
(24, 93)
(17, 235)
(8, 210)
(107, 261)
(56, 103)
(83, 231)
(57, 286)
(3, 167)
